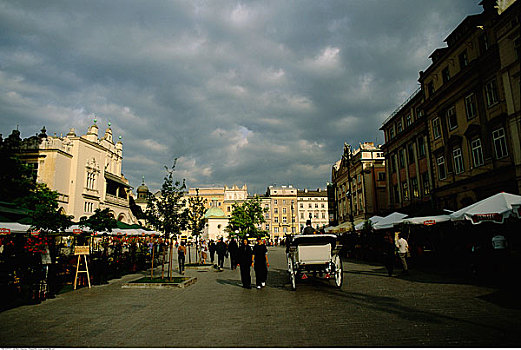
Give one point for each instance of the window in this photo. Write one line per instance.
(228, 209)
(500, 143)
(458, 161)
(275, 230)
(483, 43)
(285, 230)
(391, 133)
(491, 92)
(302, 215)
(401, 158)
(323, 205)
(463, 59)
(445, 74)
(284, 220)
(88, 207)
(405, 191)
(399, 126)
(421, 147)
(267, 227)
(276, 219)
(91, 181)
(477, 152)
(410, 153)
(442, 171)
(430, 88)
(396, 193)
(275, 202)
(419, 113)
(309, 205)
(408, 121)
(283, 210)
(425, 183)
(517, 48)
(275, 210)
(436, 129)
(283, 202)
(414, 187)
(393, 163)
(301, 205)
(381, 176)
(323, 215)
(451, 118)
(470, 106)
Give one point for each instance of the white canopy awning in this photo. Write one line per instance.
(427, 220)
(13, 227)
(495, 208)
(389, 221)
(372, 220)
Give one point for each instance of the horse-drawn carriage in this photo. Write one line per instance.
(316, 255)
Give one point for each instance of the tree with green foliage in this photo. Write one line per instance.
(195, 214)
(100, 221)
(246, 217)
(167, 212)
(43, 206)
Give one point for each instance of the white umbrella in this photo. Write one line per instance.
(495, 208)
(372, 220)
(389, 221)
(427, 220)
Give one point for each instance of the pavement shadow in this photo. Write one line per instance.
(392, 306)
(229, 282)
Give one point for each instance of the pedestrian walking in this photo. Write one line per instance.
(499, 256)
(245, 260)
(389, 254)
(233, 249)
(181, 256)
(221, 250)
(260, 257)
(403, 248)
(211, 248)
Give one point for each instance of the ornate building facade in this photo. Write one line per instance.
(85, 171)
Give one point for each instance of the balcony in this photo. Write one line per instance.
(111, 199)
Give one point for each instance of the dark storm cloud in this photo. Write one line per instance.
(241, 92)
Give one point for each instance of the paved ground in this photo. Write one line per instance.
(371, 309)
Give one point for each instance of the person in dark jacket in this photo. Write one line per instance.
(221, 249)
(260, 254)
(211, 248)
(244, 258)
(233, 249)
(308, 230)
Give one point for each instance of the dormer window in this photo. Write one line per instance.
(463, 59)
(445, 75)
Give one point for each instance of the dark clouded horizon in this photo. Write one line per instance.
(256, 93)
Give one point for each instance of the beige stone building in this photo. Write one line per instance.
(471, 105)
(312, 205)
(359, 179)
(85, 171)
(281, 202)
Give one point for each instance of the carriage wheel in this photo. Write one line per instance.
(339, 276)
(292, 275)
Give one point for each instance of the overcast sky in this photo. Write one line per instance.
(256, 93)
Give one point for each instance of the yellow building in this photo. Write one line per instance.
(281, 202)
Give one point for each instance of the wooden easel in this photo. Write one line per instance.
(81, 251)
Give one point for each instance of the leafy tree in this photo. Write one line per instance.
(16, 178)
(167, 213)
(195, 214)
(43, 206)
(246, 217)
(100, 221)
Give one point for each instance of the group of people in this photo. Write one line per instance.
(242, 255)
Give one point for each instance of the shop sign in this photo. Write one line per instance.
(82, 250)
(5, 231)
(35, 233)
(429, 222)
(77, 231)
(487, 217)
